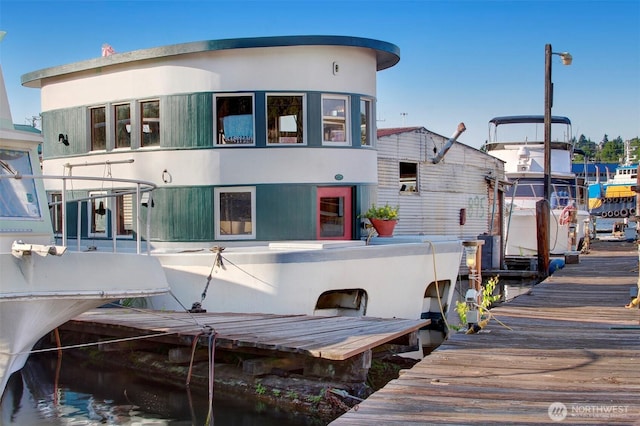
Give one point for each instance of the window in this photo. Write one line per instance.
(408, 177)
(285, 119)
(150, 131)
(124, 220)
(56, 212)
(334, 119)
(123, 125)
(234, 120)
(366, 123)
(98, 129)
(19, 197)
(236, 213)
(98, 215)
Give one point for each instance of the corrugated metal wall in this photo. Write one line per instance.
(456, 182)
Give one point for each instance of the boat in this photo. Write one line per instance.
(521, 146)
(264, 156)
(615, 198)
(42, 284)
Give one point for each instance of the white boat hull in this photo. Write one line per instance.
(522, 236)
(38, 294)
(290, 278)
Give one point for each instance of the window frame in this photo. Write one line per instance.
(23, 191)
(92, 205)
(94, 132)
(217, 134)
(368, 140)
(217, 216)
(336, 119)
(145, 120)
(56, 212)
(121, 222)
(303, 112)
(403, 181)
(116, 125)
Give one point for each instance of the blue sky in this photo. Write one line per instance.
(461, 61)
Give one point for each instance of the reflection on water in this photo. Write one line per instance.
(91, 396)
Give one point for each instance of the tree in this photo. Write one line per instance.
(612, 151)
(589, 148)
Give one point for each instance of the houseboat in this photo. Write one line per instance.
(42, 285)
(263, 151)
(519, 142)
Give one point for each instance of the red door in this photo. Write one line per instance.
(334, 213)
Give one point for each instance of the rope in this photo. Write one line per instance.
(194, 344)
(435, 277)
(60, 348)
(217, 261)
(211, 351)
(333, 400)
(86, 345)
(482, 324)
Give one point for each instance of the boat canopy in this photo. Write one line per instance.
(520, 119)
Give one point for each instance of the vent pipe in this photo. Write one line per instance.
(449, 143)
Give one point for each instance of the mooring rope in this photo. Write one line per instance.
(211, 351)
(219, 261)
(193, 322)
(86, 345)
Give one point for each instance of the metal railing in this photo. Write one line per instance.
(139, 187)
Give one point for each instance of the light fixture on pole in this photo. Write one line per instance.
(473, 294)
(548, 104)
(470, 251)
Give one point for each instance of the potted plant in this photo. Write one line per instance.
(383, 219)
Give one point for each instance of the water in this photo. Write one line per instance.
(93, 396)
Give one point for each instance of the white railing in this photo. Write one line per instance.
(137, 187)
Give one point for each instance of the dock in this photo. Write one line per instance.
(332, 348)
(567, 352)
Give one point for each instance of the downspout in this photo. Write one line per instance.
(461, 128)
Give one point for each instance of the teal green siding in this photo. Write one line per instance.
(187, 214)
(355, 122)
(286, 212)
(71, 122)
(260, 114)
(283, 212)
(182, 214)
(187, 121)
(314, 119)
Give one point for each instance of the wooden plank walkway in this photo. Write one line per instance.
(333, 338)
(572, 344)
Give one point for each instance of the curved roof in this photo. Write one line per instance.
(521, 119)
(387, 54)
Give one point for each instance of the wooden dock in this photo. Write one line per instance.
(324, 347)
(571, 355)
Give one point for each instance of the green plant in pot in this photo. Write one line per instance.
(383, 219)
